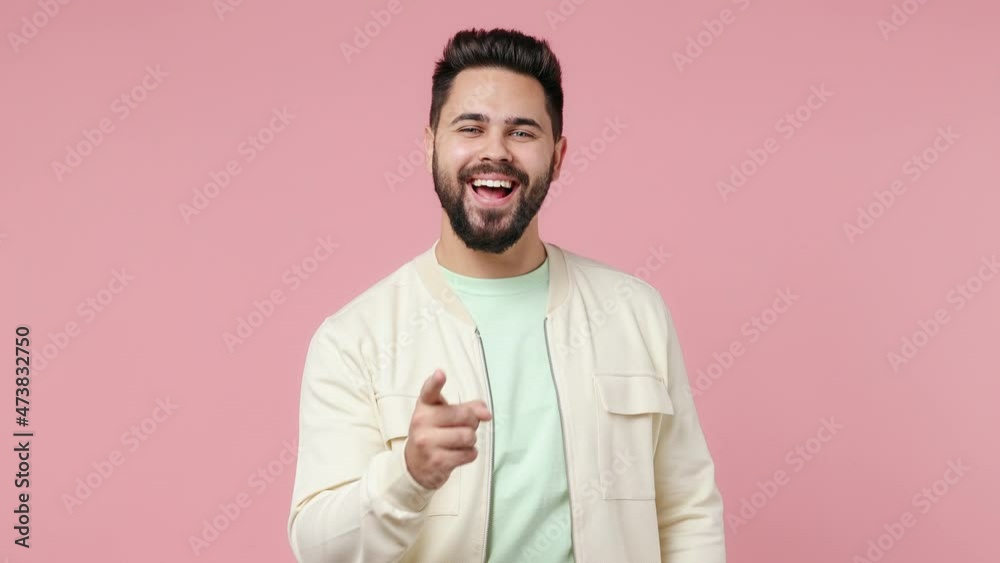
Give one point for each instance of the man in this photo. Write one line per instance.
(499, 398)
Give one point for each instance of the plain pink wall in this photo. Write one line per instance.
(881, 95)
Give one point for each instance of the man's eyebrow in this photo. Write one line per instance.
(527, 121)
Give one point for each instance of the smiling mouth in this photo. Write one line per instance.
(493, 191)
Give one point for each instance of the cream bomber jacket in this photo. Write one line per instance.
(641, 479)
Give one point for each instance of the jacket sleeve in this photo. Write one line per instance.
(353, 499)
(688, 502)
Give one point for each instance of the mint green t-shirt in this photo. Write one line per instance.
(530, 503)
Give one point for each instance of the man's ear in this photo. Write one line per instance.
(429, 148)
(559, 151)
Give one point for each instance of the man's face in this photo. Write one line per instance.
(493, 128)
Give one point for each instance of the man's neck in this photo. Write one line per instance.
(524, 256)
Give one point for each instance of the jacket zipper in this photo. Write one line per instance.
(489, 476)
(569, 488)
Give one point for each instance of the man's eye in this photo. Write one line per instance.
(471, 129)
(526, 134)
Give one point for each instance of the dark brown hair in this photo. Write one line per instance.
(499, 48)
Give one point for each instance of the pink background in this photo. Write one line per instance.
(63, 237)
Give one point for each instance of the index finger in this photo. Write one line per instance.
(430, 393)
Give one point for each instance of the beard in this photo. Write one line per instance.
(492, 230)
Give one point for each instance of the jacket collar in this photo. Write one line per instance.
(430, 274)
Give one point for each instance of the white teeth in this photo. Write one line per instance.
(492, 183)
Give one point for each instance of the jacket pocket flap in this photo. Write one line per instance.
(395, 412)
(634, 394)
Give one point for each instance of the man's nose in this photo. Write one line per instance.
(496, 148)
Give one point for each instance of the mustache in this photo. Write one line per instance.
(505, 169)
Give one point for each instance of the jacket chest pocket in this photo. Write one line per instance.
(628, 407)
(395, 413)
